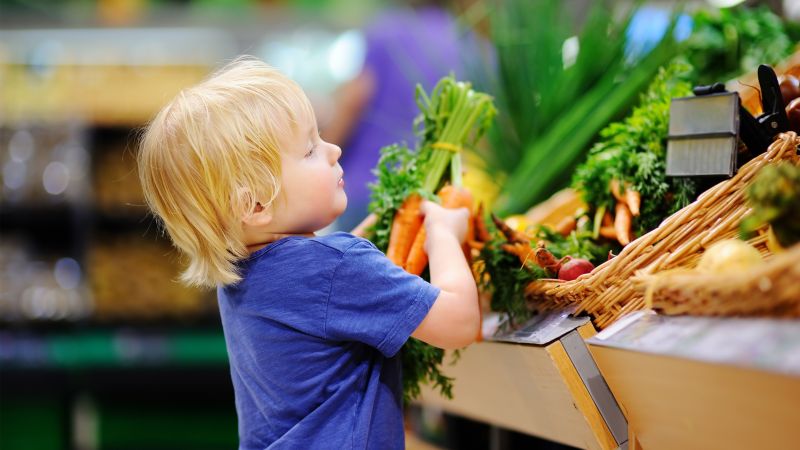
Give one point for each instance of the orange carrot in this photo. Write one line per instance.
(510, 234)
(566, 225)
(615, 189)
(608, 221)
(632, 198)
(417, 258)
(521, 250)
(405, 226)
(608, 232)
(622, 223)
(481, 232)
(634, 201)
(547, 261)
(452, 198)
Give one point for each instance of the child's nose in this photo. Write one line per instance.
(336, 152)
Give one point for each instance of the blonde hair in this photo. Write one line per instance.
(211, 154)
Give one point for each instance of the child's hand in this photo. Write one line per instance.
(454, 319)
(439, 219)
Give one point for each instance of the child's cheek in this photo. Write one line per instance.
(320, 189)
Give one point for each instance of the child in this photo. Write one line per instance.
(236, 171)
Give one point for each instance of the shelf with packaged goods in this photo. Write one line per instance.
(103, 76)
(698, 382)
(552, 391)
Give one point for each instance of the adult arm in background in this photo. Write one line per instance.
(350, 101)
(361, 229)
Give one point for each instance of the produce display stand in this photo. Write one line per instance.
(542, 381)
(693, 382)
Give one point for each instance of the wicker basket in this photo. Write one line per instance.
(607, 292)
(771, 289)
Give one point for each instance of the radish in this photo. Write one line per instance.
(574, 268)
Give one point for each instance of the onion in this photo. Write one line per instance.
(790, 87)
(574, 268)
(729, 255)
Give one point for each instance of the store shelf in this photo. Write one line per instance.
(701, 383)
(94, 71)
(553, 391)
(123, 347)
(119, 388)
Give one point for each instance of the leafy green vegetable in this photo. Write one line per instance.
(421, 363)
(634, 151)
(502, 274)
(552, 107)
(728, 42)
(775, 198)
(578, 244)
(397, 175)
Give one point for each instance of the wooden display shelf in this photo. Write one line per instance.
(682, 401)
(553, 391)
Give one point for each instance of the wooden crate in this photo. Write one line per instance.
(673, 401)
(548, 391)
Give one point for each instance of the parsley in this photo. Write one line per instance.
(634, 151)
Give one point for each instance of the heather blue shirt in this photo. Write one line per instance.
(313, 332)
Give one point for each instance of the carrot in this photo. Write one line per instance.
(634, 201)
(521, 250)
(566, 225)
(632, 198)
(608, 221)
(615, 189)
(622, 223)
(481, 233)
(547, 261)
(405, 226)
(452, 197)
(510, 234)
(608, 232)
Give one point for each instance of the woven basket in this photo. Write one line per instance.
(771, 289)
(608, 293)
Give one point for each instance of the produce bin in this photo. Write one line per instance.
(552, 389)
(704, 383)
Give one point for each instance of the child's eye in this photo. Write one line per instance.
(310, 151)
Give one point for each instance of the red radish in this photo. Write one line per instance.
(574, 268)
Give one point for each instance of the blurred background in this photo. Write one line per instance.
(100, 347)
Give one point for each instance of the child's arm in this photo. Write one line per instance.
(454, 318)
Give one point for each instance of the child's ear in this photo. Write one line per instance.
(258, 217)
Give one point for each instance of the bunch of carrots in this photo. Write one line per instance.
(618, 227)
(407, 239)
(453, 118)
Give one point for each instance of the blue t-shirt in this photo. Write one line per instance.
(313, 331)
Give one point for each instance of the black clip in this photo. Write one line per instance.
(757, 133)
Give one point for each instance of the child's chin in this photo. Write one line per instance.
(341, 208)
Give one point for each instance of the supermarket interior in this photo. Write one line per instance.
(633, 174)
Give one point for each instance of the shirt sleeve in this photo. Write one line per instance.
(375, 302)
